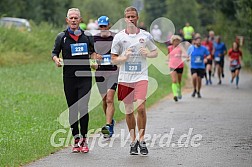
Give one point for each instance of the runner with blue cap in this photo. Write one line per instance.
(106, 74)
(103, 21)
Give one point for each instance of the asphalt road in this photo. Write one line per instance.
(216, 131)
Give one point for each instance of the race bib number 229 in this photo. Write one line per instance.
(78, 49)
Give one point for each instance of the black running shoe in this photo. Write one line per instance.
(134, 148)
(222, 75)
(219, 83)
(175, 98)
(198, 94)
(106, 131)
(194, 93)
(143, 148)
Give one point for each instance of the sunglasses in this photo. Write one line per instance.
(103, 26)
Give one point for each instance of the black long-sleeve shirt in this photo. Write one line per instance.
(63, 43)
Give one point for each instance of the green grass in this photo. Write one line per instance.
(32, 99)
(26, 47)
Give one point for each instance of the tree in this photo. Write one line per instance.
(91, 9)
(53, 11)
(244, 15)
(206, 13)
(12, 8)
(154, 9)
(181, 12)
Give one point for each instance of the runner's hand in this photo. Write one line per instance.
(58, 61)
(143, 51)
(98, 57)
(205, 60)
(128, 53)
(94, 66)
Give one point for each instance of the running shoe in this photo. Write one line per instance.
(231, 81)
(112, 127)
(210, 82)
(134, 148)
(222, 75)
(194, 93)
(143, 148)
(219, 83)
(76, 147)
(175, 98)
(179, 94)
(198, 94)
(206, 82)
(106, 131)
(84, 146)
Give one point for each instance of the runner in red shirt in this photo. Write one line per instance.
(209, 45)
(235, 57)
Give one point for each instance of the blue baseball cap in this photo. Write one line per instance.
(103, 20)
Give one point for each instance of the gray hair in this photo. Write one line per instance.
(73, 10)
(211, 32)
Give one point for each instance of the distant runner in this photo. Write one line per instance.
(235, 58)
(219, 53)
(199, 55)
(209, 45)
(188, 32)
(176, 66)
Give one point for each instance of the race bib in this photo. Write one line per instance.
(78, 49)
(234, 63)
(133, 67)
(106, 59)
(217, 58)
(198, 59)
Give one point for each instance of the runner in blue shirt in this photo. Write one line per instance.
(198, 58)
(219, 52)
